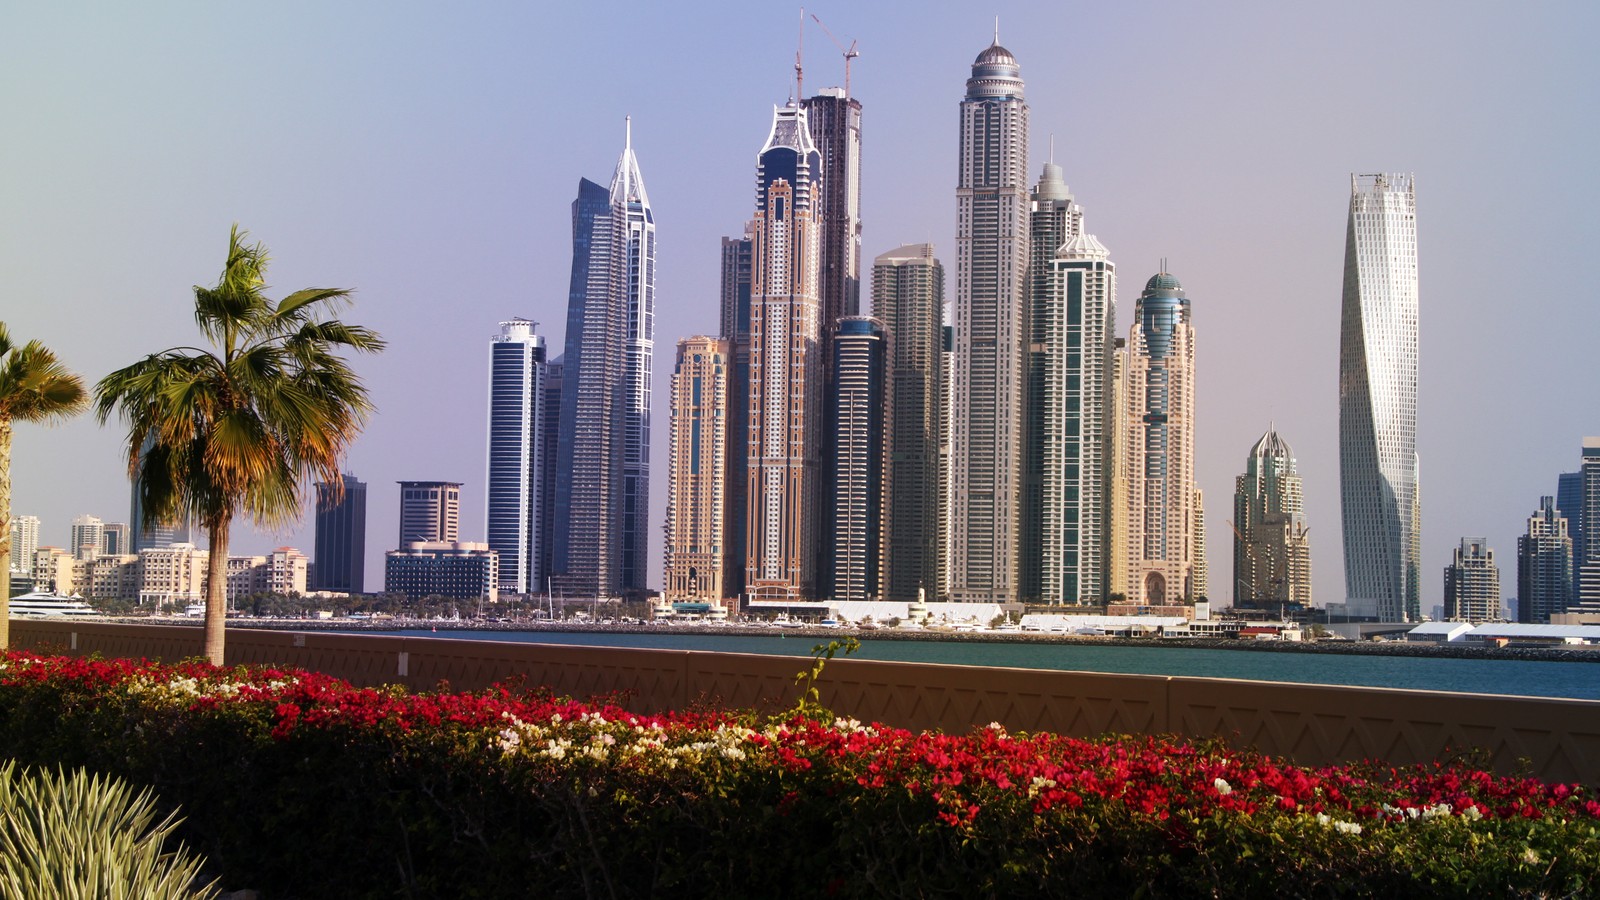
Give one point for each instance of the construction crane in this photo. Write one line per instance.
(849, 52)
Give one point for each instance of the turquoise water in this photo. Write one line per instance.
(1482, 676)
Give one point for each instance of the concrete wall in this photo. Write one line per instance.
(1558, 740)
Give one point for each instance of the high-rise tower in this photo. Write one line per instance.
(1159, 464)
(1587, 596)
(430, 511)
(340, 539)
(603, 457)
(1054, 218)
(735, 315)
(1271, 551)
(1472, 583)
(514, 490)
(858, 412)
(1378, 475)
(695, 561)
(991, 274)
(785, 369)
(908, 297)
(1070, 383)
(1544, 566)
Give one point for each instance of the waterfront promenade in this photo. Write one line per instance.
(1555, 739)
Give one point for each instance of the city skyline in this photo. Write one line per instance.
(434, 201)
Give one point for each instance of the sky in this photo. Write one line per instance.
(427, 156)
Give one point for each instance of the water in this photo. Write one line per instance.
(1482, 676)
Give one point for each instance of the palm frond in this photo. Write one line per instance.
(36, 387)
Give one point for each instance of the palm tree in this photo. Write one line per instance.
(34, 387)
(238, 428)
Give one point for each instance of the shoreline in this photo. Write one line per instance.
(1348, 648)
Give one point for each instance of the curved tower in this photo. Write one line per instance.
(1378, 476)
(1271, 553)
(1163, 518)
(785, 408)
(987, 366)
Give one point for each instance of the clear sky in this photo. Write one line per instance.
(426, 155)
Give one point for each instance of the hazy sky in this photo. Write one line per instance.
(427, 156)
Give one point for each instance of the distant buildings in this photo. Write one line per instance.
(1271, 550)
(340, 543)
(1164, 521)
(785, 406)
(992, 246)
(908, 297)
(116, 539)
(858, 413)
(1472, 583)
(430, 511)
(735, 319)
(1378, 399)
(696, 558)
(515, 467)
(1544, 566)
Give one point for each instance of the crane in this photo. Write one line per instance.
(849, 52)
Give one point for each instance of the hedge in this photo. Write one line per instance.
(300, 785)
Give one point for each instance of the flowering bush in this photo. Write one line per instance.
(299, 783)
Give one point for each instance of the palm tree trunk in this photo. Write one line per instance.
(217, 588)
(5, 534)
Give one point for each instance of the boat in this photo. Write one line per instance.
(39, 604)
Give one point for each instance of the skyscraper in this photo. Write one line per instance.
(858, 413)
(991, 283)
(24, 542)
(603, 457)
(1054, 218)
(1472, 583)
(549, 443)
(1544, 566)
(695, 561)
(1159, 464)
(908, 297)
(514, 485)
(1587, 598)
(1378, 471)
(87, 539)
(1271, 550)
(430, 511)
(1569, 503)
(339, 552)
(114, 539)
(735, 315)
(834, 120)
(785, 369)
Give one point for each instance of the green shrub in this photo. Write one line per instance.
(75, 835)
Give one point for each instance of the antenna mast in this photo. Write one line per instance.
(800, 46)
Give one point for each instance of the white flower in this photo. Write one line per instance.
(1348, 827)
(732, 753)
(1222, 786)
(1040, 783)
(1472, 813)
(1530, 856)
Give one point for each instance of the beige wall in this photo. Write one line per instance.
(1312, 724)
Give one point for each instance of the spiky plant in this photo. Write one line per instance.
(77, 836)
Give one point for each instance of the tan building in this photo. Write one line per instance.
(695, 560)
(172, 575)
(282, 573)
(114, 577)
(1158, 466)
(53, 571)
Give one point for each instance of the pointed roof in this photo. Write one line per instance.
(1271, 446)
(627, 185)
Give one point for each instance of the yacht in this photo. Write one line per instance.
(39, 604)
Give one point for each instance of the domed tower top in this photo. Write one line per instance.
(995, 74)
(1163, 284)
(1270, 446)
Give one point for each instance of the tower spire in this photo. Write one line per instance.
(627, 140)
(997, 31)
